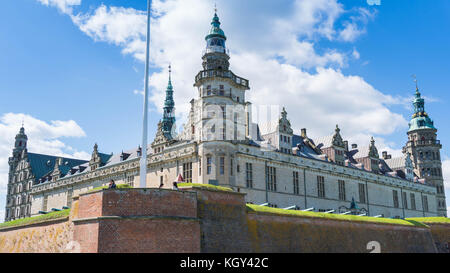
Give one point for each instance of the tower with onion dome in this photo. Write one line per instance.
(425, 148)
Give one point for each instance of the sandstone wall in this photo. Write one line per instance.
(48, 237)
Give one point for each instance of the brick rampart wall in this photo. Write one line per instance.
(203, 220)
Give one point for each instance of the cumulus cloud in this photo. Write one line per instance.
(65, 6)
(43, 137)
(277, 54)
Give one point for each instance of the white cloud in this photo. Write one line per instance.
(43, 138)
(356, 26)
(64, 6)
(124, 27)
(446, 174)
(272, 52)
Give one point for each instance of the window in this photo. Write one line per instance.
(362, 193)
(321, 186)
(221, 91)
(404, 200)
(413, 201)
(130, 180)
(231, 166)
(208, 90)
(199, 166)
(187, 172)
(208, 165)
(271, 178)
(395, 198)
(295, 181)
(222, 165)
(249, 174)
(341, 184)
(425, 203)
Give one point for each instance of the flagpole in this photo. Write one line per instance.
(143, 168)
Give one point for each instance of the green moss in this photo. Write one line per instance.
(37, 219)
(120, 186)
(204, 186)
(263, 209)
(441, 220)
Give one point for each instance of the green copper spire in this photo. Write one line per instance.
(420, 118)
(215, 31)
(168, 121)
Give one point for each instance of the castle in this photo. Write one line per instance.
(272, 165)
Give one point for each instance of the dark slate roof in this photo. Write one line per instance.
(104, 158)
(41, 164)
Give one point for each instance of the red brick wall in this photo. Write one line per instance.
(138, 220)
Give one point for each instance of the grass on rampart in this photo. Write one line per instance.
(205, 186)
(36, 219)
(431, 220)
(120, 186)
(264, 209)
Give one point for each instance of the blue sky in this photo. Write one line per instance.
(73, 70)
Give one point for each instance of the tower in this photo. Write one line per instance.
(425, 150)
(20, 147)
(168, 121)
(15, 198)
(221, 93)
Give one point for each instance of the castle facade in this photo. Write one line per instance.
(220, 145)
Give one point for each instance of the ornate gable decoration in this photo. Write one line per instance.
(337, 138)
(373, 151)
(161, 137)
(95, 161)
(284, 125)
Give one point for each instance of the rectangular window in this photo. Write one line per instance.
(222, 165)
(321, 186)
(341, 184)
(362, 193)
(231, 166)
(208, 165)
(413, 201)
(271, 178)
(249, 174)
(295, 181)
(187, 172)
(395, 198)
(425, 203)
(199, 166)
(404, 200)
(130, 180)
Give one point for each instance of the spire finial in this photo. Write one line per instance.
(415, 80)
(215, 7)
(170, 71)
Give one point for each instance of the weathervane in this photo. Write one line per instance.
(215, 7)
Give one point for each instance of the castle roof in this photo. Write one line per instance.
(42, 165)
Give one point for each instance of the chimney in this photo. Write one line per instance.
(385, 155)
(304, 133)
(354, 146)
(346, 145)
